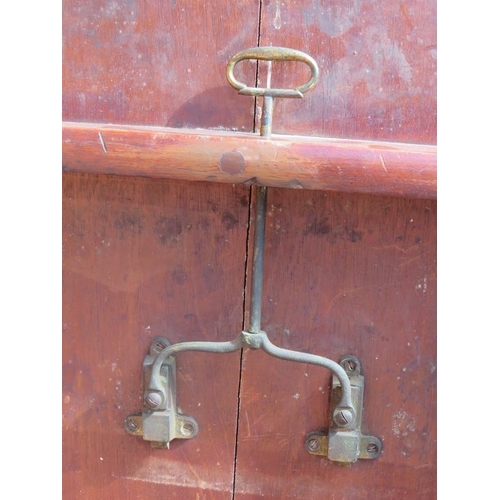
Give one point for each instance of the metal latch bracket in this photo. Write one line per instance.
(346, 445)
(162, 425)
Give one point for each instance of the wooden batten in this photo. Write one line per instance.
(354, 166)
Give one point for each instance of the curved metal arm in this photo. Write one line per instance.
(345, 404)
(216, 347)
(344, 414)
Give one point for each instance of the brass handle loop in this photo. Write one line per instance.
(272, 54)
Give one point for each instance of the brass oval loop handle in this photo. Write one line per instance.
(272, 54)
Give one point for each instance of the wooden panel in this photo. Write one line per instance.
(156, 63)
(282, 161)
(144, 258)
(377, 62)
(344, 274)
(150, 257)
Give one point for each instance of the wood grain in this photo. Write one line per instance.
(156, 63)
(348, 273)
(344, 274)
(377, 60)
(282, 161)
(145, 258)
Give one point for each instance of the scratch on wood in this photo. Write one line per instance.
(249, 431)
(398, 248)
(178, 474)
(103, 144)
(356, 289)
(167, 480)
(383, 163)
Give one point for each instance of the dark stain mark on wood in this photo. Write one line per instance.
(353, 235)
(210, 278)
(318, 227)
(168, 229)
(179, 275)
(76, 225)
(128, 223)
(229, 220)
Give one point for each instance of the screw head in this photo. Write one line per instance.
(131, 425)
(160, 345)
(153, 400)
(187, 429)
(351, 365)
(313, 444)
(343, 417)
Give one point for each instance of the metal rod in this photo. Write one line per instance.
(266, 123)
(312, 359)
(255, 340)
(266, 126)
(254, 337)
(171, 350)
(258, 260)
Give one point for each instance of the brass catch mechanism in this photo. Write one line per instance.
(339, 445)
(161, 420)
(155, 424)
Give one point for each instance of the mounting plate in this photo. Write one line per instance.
(161, 426)
(340, 444)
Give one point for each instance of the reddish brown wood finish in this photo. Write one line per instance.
(377, 62)
(282, 161)
(344, 274)
(144, 258)
(156, 63)
(348, 274)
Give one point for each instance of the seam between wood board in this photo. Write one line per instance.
(245, 282)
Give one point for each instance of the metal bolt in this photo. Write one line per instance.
(187, 429)
(350, 365)
(153, 399)
(132, 425)
(343, 417)
(313, 444)
(372, 449)
(160, 345)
